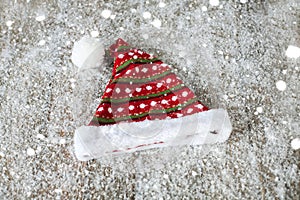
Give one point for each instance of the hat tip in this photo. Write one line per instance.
(119, 46)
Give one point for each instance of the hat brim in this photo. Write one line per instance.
(208, 127)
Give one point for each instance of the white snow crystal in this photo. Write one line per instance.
(281, 85)
(106, 14)
(295, 143)
(161, 4)
(58, 190)
(40, 18)
(9, 23)
(259, 109)
(147, 15)
(94, 33)
(38, 149)
(62, 141)
(40, 136)
(156, 23)
(204, 8)
(292, 52)
(30, 152)
(214, 2)
(243, 1)
(42, 43)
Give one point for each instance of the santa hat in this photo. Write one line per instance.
(145, 105)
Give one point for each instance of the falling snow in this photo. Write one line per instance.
(295, 143)
(156, 23)
(30, 152)
(40, 18)
(161, 4)
(214, 2)
(293, 52)
(106, 14)
(9, 23)
(281, 85)
(147, 15)
(256, 78)
(94, 33)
